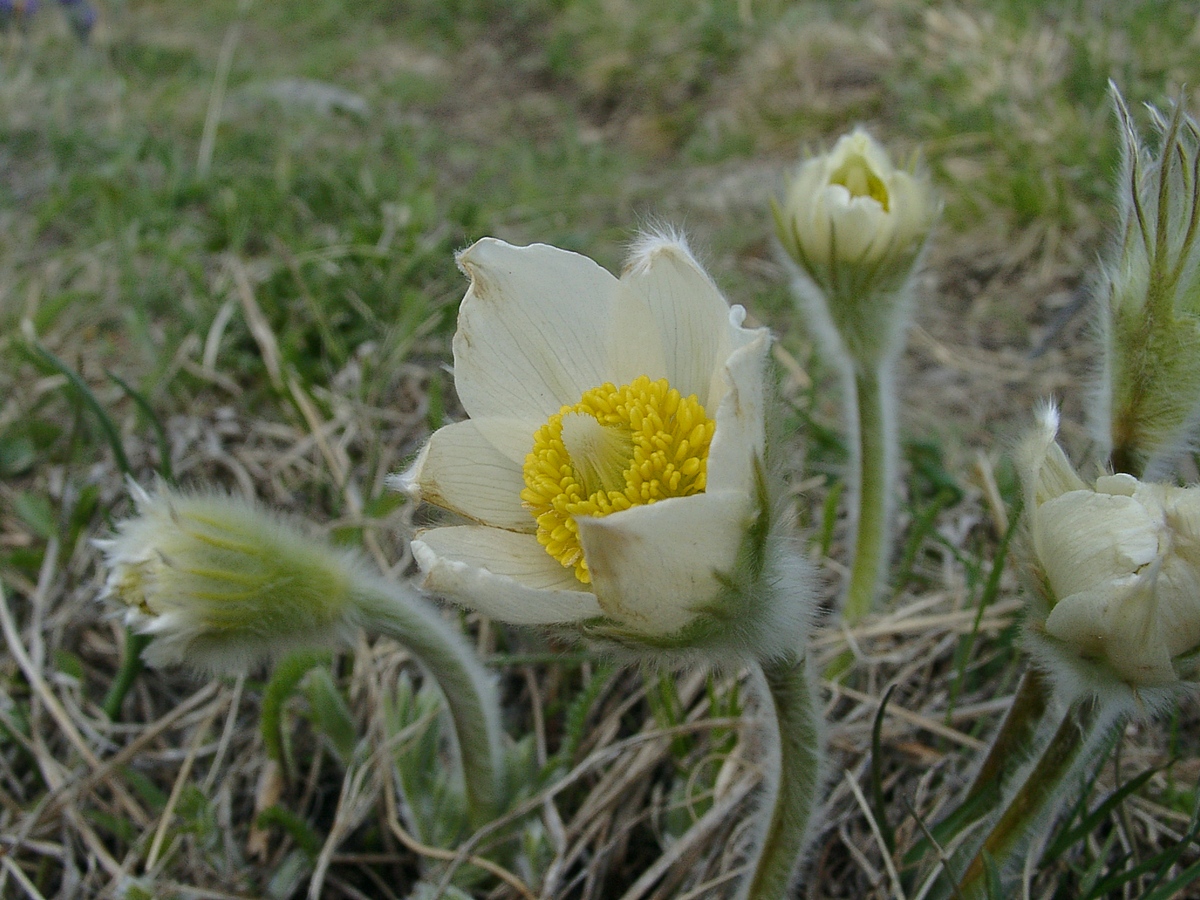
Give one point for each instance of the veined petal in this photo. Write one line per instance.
(502, 574)
(532, 329)
(513, 438)
(740, 433)
(1118, 624)
(1086, 538)
(652, 566)
(688, 310)
(462, 471)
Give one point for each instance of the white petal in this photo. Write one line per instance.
(513, 438)
(504, 575)
(653, 567)
(532, 329)
(1084, 539)
(691, 316)
(1117, 623)
(462, 471)
(1177, 598)
(740, 433)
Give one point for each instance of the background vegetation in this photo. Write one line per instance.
(234, 222)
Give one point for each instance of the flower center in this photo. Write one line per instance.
(857, 177)
(617, 447)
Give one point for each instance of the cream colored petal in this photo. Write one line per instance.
(653, 566)
(1182, 510)
(462, 471)
(861, 229)
(910, 207)
(533, 329)
(1177, 600)
(740, 433)
(512, 438)
(1118, 624)
(689, 313)
(1085, 539)
(504, 575)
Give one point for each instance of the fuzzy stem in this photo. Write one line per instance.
(469, 689)
(1014, 741)
(873, 458)
(796, 783)
(131, 667)
(1018, 741)
(1039, 796)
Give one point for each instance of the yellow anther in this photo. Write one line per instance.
(622, 446)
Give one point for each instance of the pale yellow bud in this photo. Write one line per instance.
(855, 225)
(1117, 565)
(851, 208)
(219, 583)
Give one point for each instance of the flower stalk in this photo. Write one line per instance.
(469, 690)
(1076, 742)
(856, 226)
(874, 464)
(796, 782)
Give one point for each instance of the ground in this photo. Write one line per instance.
(236, 222)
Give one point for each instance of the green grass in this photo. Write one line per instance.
(566, 121)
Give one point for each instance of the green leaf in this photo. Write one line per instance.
(35, 511)
(330, 714)
(90, 401)
(283, 683)
(160, 434)
(877, 800)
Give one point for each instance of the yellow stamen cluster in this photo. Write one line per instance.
(857, 177)
(618, 447)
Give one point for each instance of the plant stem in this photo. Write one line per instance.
(1014, 741)
(469, 689)
(873, 456)
(797, 781)
(131, 667)
(1038, 797)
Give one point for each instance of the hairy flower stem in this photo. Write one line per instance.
(1022, 733)
(797, 781)
(1038, 798)
(1014, 741)
(874, 455)
(468, 688)
(131, 668)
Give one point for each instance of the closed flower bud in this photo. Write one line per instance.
(855, 224)
(1147, 407)
(220, 584)
(613, 462)
(1116, 569)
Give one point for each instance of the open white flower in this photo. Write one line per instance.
(1118, 564)
(612, 461)
(219, 583)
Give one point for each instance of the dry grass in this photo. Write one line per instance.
(654, 796)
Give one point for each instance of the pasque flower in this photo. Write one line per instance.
(613, 462)
(1116, 567)
(220, 583)
(856, 224)
(1147, 409)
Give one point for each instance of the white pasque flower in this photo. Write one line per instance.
(1118, 564)
(612, 461)
(219, 583)
(852, 207)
